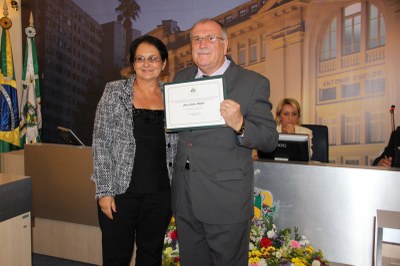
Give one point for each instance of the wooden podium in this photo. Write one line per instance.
(62, 189)
(65, 221)
(15, 220)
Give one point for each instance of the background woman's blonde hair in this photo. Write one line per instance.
(285, 101)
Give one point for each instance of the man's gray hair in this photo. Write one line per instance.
(205, 20)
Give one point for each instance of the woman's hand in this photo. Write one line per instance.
(385, 161)
(289, 128)
(107, 206)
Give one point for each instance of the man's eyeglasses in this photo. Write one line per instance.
(207, 38)
(151, 59)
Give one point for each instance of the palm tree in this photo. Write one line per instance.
(127, 10)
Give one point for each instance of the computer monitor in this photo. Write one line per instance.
(291, 147)
(69, 137)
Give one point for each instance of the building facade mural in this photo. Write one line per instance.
(337, 58)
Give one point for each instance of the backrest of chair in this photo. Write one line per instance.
(320, 142)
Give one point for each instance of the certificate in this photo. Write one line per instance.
(194, 104)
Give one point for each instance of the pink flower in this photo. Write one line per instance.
(295, 244)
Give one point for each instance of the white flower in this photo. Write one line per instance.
(251, 246)
(262, 262)
(278, 253)
(304, 241)
(271, 233)
(316, 263)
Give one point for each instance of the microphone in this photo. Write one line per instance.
(392, 115)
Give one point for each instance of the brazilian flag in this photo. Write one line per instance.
(9, 114)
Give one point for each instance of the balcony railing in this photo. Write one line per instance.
(376, 54)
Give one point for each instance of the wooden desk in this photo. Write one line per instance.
(64, 207)
(15, 220)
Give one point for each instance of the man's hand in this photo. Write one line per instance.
(230, 111)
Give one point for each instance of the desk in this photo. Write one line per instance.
(64, 207)
(333, 205)
(15, 220)
(387, 230)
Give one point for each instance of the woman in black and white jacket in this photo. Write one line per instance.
(133, 159)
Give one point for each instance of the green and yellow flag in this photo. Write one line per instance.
(31, 118)
(9, 115)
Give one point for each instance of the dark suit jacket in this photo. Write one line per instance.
(390, 149)
(221, 167)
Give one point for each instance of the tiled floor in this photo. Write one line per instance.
(42, 260)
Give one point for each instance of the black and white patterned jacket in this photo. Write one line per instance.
(114, 143)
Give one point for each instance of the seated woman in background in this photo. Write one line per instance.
(288, 118)
(388, 156)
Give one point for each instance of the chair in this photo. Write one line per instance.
(320, 142)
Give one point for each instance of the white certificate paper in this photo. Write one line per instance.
(194, 104)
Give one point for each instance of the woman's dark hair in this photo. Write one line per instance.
(150, 40)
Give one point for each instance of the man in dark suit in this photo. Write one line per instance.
(390, 156)
(212, 188)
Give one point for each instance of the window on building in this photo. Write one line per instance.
(376, 28)
(375, 127)
(242, 12)
(375, 86)
(253, 50)
(352, 161)
(352, 129)
(352, 29)
(331, 123)
(328, 49)
(253, 7)
(263, 47)
(228, 18)
(350, 90)
(327, 94)
(241, 53)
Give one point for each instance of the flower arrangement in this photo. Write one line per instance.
(170, 255)
(271, 246)
(268, 245)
